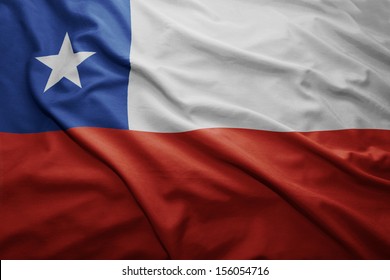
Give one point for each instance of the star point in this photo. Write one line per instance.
(64, 64)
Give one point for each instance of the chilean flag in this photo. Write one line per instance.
(194, 129)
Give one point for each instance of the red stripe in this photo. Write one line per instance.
(58, 201)
(213, 193)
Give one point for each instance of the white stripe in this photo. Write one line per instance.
(274, 65)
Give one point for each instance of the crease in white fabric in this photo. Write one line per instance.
(256, 64)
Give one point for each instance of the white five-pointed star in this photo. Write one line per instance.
(64, 64)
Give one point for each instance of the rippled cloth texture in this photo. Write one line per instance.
(258, 130)
(205, 194)
(31, 29)
(297, 65)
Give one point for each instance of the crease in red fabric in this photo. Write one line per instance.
(222, 193)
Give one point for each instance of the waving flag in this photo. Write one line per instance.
(218, 129)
